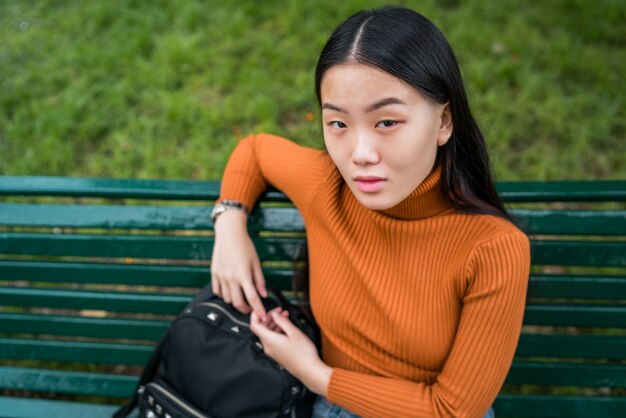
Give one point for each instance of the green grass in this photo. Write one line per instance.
(163, 89)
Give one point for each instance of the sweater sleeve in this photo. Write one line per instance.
(482, 352)
(262, 160)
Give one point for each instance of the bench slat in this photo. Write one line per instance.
(136, 246)
(553, 346)
(571, 222)
(563, 191)
(545, 222)
(571, 346)
(37, 408)
(114, 188)
(106, 216)
(128, 274)
(579, 253)
(567, 374)
(80, 326)
(536, 313)
(577, 287)
(534, 191)
(285, 219)
(548, 406)
(576, 315)
(568, 253)
(94, 300)
(75, 351)
(83, 383)
(541, 286)
(122, 386)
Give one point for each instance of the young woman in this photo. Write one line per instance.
(417, 276)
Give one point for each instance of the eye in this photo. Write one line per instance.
(386, 123)
(337, 125)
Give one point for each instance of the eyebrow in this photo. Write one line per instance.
(379, 104)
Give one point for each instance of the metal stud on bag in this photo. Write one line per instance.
(212, 316)
(150, 414)
(235, 329)
(159, 410)
(150, 400)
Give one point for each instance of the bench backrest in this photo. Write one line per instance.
(93, 270)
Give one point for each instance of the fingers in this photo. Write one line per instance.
(259, 279)
(237, 299)
(254, 300)
(215, 286)
(270, 324)
(281, 319)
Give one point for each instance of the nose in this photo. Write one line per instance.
(364, 151)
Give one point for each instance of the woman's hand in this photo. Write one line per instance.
(291, 348)
(236, 273)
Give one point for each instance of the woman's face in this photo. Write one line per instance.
(381, 133)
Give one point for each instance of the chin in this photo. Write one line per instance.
(375, 202)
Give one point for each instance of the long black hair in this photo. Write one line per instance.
(410, 47)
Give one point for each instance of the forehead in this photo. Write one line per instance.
(357, 82)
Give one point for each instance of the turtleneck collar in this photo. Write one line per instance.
(425, 201)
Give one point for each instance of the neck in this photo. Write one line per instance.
(425, 201)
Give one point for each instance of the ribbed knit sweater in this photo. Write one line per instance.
(420, 306)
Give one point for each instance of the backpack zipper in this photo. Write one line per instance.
(225, 312)
(177, 401)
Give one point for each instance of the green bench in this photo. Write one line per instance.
(92, 271)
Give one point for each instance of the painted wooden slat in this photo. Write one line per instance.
(128, 274)
(37, 408)
(553, 346)
(571, 346)
(577, 287)
(563, 191)
(117, 188)
(535, 191)
(75, 351)
(576, 315)
(285, 219)
(102, 187)
(579, 253)
(137, 246)
(106, 216)
(569, 253)
(567, 374)
(549, 406)
(544, 222)
(93, 300)
(83, 383)
(571, 222)
(77, 326)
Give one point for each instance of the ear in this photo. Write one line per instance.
(445, 126)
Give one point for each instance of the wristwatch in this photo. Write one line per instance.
(225, 205)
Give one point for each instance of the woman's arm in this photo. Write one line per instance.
(257, 161)
(479, 359)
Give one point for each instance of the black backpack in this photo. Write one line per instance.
(209, 364)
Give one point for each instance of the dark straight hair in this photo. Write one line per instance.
(407, 45)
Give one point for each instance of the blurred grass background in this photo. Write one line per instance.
(163, 89)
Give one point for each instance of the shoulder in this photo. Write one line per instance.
(278, 145)
(497, 240)
(495, 228)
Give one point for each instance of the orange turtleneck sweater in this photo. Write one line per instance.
(420, 306)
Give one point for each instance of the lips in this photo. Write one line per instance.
(369, 184)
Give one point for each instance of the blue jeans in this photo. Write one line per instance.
(325, 409)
